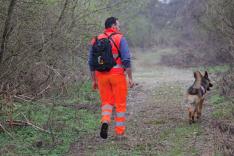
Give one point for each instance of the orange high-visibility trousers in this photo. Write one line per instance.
(113, 93)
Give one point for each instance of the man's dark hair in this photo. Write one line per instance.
(110, 21)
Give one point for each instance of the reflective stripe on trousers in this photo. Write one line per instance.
(106, 113)
(120, 122)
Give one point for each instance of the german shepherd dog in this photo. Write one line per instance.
(195, 95)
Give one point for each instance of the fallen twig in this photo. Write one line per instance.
(34, 126)
(21, 98)
(41, 92)
(25, 123)
(6, 131)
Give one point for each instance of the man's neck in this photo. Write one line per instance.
(111, 30)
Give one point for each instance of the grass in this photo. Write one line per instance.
(223, 107)
(115, 148)
(65, 124)
(213, 69)
(179, 140)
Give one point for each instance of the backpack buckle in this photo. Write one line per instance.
(100, 60)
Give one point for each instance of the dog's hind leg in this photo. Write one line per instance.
(191, 115)
(196, 110)
(199, 110)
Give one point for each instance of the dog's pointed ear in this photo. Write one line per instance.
(206, 74)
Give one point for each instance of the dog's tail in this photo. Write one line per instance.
(194, 89)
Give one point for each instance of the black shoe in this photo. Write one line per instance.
(104, 130)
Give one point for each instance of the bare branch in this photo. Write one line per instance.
(7, 28)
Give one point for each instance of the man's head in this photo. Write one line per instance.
(112, 22)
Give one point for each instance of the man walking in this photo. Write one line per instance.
(112, 84)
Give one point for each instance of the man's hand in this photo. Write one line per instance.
(94, 85)
(94, 81)
(131, 83)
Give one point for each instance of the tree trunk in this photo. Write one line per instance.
(6, 28)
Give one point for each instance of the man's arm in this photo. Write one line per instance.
(126, 59)
(92, 71)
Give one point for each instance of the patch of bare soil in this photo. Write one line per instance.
(156, 121)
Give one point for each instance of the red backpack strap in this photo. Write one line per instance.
(94, 40)
(110, 38)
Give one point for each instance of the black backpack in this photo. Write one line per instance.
(102, 57)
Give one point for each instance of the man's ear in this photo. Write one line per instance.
(206, 74)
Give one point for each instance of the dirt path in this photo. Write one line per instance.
(157, 122)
